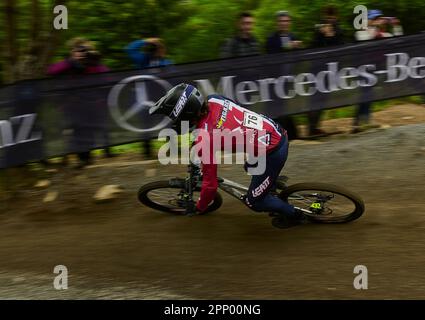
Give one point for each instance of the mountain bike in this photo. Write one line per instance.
(319, 202)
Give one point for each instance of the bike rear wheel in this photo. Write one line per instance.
(326, 203)
(168, 196)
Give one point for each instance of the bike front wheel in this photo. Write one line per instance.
(324, 203)
(169, 196)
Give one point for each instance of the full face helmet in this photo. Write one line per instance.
(182, 102)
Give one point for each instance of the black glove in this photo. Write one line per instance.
(191, 208)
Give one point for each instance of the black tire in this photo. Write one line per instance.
(177, 184)
(358, 203)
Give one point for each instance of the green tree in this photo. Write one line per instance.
(193, 30)
(28, 40)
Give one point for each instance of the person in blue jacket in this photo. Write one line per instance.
(147, 53)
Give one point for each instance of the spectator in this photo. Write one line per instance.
(378, 27)
(244, 43)
(282, 39)
(83, 59)
(328, 33)
(147, 53)
(83, 121)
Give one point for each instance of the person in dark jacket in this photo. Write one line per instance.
(282, 39)
(244, 43)
(327, 33)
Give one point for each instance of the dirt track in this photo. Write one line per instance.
(124, 250)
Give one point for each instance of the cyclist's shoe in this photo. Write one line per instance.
(283, 222)
(299, 215)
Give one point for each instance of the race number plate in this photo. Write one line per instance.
(252, 121)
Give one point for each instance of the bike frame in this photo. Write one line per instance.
(234, 189)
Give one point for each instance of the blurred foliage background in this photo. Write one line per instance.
(193, 30)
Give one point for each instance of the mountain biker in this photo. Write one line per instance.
(184, 102)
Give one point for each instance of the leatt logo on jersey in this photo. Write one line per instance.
(223, 115)
(261, 188)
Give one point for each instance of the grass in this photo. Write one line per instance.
(349, 111)
(136, 147)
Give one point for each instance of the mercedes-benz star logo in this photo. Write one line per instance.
(123, 114)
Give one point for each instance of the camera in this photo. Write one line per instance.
(90, 56)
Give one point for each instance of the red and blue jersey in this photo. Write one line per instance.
(248, 129)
